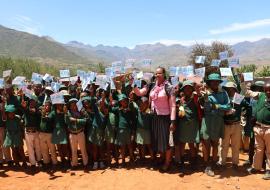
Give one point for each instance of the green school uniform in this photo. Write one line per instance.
(79, 125)
(47, 123)
(125, 126)
(262, 110)
(13, 133)
(188, 130)
(31, 119)
(98, 126)
(59, 135)
(110, 128)
(143, 133)
(213, 122)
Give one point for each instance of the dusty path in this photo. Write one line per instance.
(134, 178)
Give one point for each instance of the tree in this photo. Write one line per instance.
(101, 67)
(211, 52)
(265, 72)
(247, 68)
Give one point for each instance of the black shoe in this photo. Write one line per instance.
(235, 167)
(247, 163)
(266, 175)
(10, 163)
(252, 170)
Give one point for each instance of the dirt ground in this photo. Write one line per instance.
(133, 177)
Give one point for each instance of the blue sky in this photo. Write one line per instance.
(128, 23)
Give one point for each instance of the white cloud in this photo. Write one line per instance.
(241, 26)
(208, 41)
(26, 24)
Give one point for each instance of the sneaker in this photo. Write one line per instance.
(208, 171)
(95, 166)
(101, 165)
(251, 170)
(266, 175)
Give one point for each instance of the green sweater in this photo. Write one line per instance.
(262, 110)
(79, 125)
(47, 123)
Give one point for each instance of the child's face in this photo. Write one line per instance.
(124, 103)
(47, 107)
(59, 107)
(86, 105)
(188, 91)
(32, 103)
(10, 115)
(73, 106)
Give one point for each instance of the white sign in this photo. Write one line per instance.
(187, 71)
(117, 64)
(146, 62)
(79, 105)
(223, 55)
(81, 73)
(112, 84)
(28, 93)
(57, 98)
(55, 86)
(234, 62)
(237, 98)
(7, 73)
(226, 72)
(101, 80)
(47, 77)
(175, 81)
(130, 63)
(36, 78)
(2, 83)
(64, 73)
(215, 63)
(200, 59)
(18, 80)
(248, 76)
(138, 83)
(200, 72)
(139, 75)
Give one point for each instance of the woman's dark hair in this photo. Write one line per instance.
(163, 71)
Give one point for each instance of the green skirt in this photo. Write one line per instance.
(123, 137)
(143, 136)
(212, 127)
(188, 131)
(110, 134)
(96, 136)
(13, 139)
(59, 136)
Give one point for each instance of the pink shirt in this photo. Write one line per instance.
(161, 103)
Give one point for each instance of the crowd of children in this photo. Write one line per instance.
(155, 121)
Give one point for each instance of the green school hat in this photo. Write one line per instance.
(10, 108)
(230, 85)
(121, 97)
(187, 83)
(259, 83)
(214, 77)
(86, 98)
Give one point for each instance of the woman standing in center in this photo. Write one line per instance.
(162, 100)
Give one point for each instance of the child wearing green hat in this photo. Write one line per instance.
(45, 134)
(215, 102)
(143, 131)
(188, 120)
(32, 116)
(14, 134)
(76, 122)
(59, 134)
(125, 125)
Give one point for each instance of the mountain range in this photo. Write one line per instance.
(45, 49)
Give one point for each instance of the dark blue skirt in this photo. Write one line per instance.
(160, 133)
